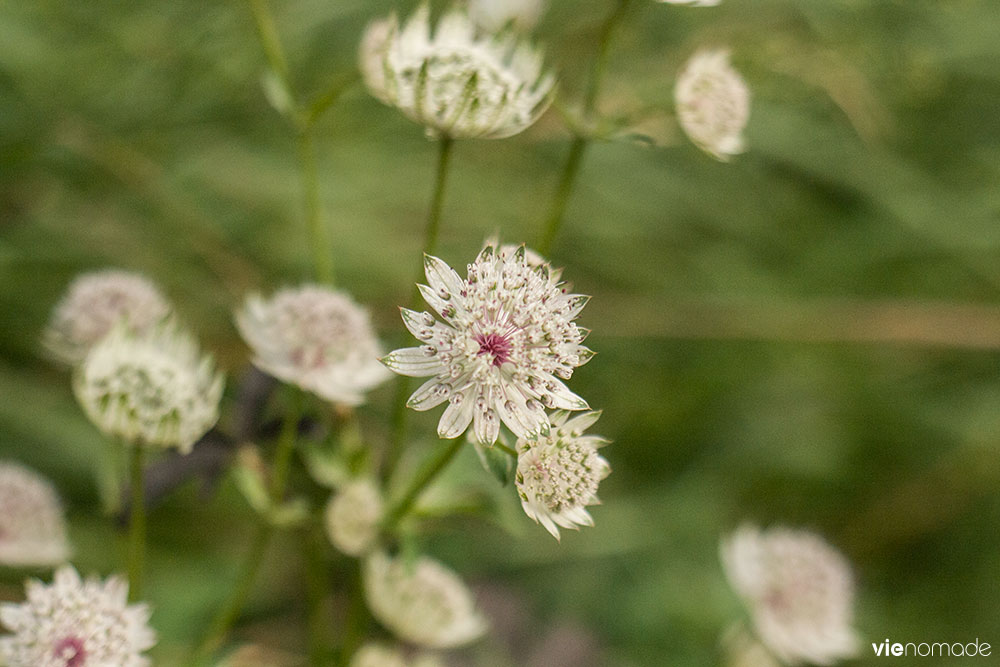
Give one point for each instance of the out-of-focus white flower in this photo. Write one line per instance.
(799, 592)
(558, 474)
(713, 103)
(423, 602)
(353, 515)
(495, 15)
(380, 655)
(457, 83)
(742, 650)
(74, 623)
(94, 304)
(506, 338)
(32, 527)
(150, 390)
(693, 3)
(256, 655)
(316, 338)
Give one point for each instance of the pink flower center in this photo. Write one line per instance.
(495, 345)
(71, 650)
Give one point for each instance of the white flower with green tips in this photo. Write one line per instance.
(558, 474)
(457, 83)
(504, 344)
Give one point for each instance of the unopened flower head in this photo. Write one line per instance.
(799, 591)
(423, 602)
(316, 338)
(151, 390)
(457, 83)
(558, 474)
(381, 655)
(693, 3)
(353, 515)
(94, 304)
(496, 15)
(32, 527)
(506, 342)
(713, 103)
(75, 623)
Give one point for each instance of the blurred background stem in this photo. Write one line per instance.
(571, 170)
(445, 146)
(137, 523)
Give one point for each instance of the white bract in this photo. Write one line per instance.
(457, 83)
(799, 592)
(506, 342)
(94, 304)
(558, 474)
(353, 515)
(495, 15)
(713, 103)
(423, 602)
(75, 623)
(32, 526)
(316, 338)
(150, 390)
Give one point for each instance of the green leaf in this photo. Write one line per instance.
(497, 462)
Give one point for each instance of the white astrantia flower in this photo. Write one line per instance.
(381, 655)
(154, 390)
(353, 515)
(496, 15)
(76, 623)
(457, 83)
(422, 602)
(506, 342)
(94, 303)
(713, 103)
(693, 3)
(798, 589)
(558, 474)
(314, 337)
(32, 526)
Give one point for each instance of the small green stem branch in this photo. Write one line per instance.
(571, 170)
(319, 232)
(317, 585)
(137, 523)
(427, 475)
(247, 573)
(445, 149)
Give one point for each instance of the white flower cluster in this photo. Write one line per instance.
(799, 591)
(380, 655)
(457, 83)
(76, 623)
(94, 304)
(713, 103)
(316, 338)
(150, 390)
(32, 527)
(422, 602)
(558, 474)
(353, 515)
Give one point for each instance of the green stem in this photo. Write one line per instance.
(267, 32)
(320, 234)
(422, 481)
(571, 170)
(317, 584)
(445, 145)
(137, 524)
(247, 573)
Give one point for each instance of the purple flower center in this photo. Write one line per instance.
(71, 650)
(495, 345)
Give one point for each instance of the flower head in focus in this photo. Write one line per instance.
(457, 83)
(422, 602)
(713, 103)
(496, 15)
(557, 475)
(93, 304)
(799, 591)
(76, 623)
(314, 337)
(32, 527)
(353, 515)
(151, 390)
(506, 342)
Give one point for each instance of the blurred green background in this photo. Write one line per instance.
(808, 335)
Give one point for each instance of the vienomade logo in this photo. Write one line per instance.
(932, 649)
